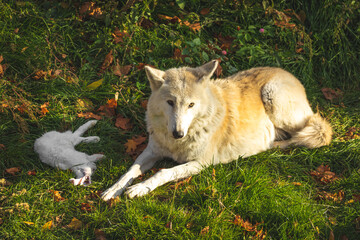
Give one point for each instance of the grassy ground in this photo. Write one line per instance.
(62, 58)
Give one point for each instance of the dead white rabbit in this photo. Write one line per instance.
(58, 150)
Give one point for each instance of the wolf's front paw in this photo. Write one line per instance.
(138, 190)
(111, 193)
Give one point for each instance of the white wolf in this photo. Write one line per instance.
(58, 150)
(199, 122)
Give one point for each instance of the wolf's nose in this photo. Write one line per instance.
(178, 134)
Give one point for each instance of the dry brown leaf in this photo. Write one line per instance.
(88, 115)
(13, 170)
(2, 147)
(336, 197)
(323, 175)
(87, 207)
(119, 35)
(130, 145)
(99, 234)
(109, 58)
(75, 224)
(205, 11)
(331, 94)
(121, 70)
(123, 123)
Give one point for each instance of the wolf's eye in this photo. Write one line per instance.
(171, 103)
(191, 105)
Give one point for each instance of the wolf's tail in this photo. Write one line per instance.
(317, 132)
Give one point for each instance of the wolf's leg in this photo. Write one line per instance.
(165, 176)
(285, 103)
(82, 129)
(92, 139)
(95, 157)
(144, 162)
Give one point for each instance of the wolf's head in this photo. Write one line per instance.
(180, 95)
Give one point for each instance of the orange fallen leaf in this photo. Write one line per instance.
(57, 196)
(88, 115)
(123, 123)
(87, 207)
(28, 223)
(134, 145)
(13, 170)
(2, 147)
(47, 225)
(44, 109)
(205, 230)
(31, 173)
(75, 224)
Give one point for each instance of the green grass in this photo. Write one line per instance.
(273, 189)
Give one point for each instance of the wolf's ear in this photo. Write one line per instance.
(207, 70)
(155, 77)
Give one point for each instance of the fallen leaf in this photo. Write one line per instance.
(99, 234)
(2, 147)
(335, 197)
(114, 201)
(205, 230)
(119, 35)
(323, 175)
(213, 174)
(13, 170)
(134, 146)
(204, 11)
(130, 145)
(28, 223)
(144, 104)
(44, 109)
(87, 207)
(109, 58)
(296, 183)
(238, 184)
(4, 182)
(75, 224)
(88, 115)
(94, 85)
(22, 206)
(121, 70)
(331, 94)
(178, 55)
(169, 225)
(47, 225)
(39, 74)
(57, 196)
(108, 109)
(123, 123)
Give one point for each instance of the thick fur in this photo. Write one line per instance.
(199, 122)
(58, 150)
